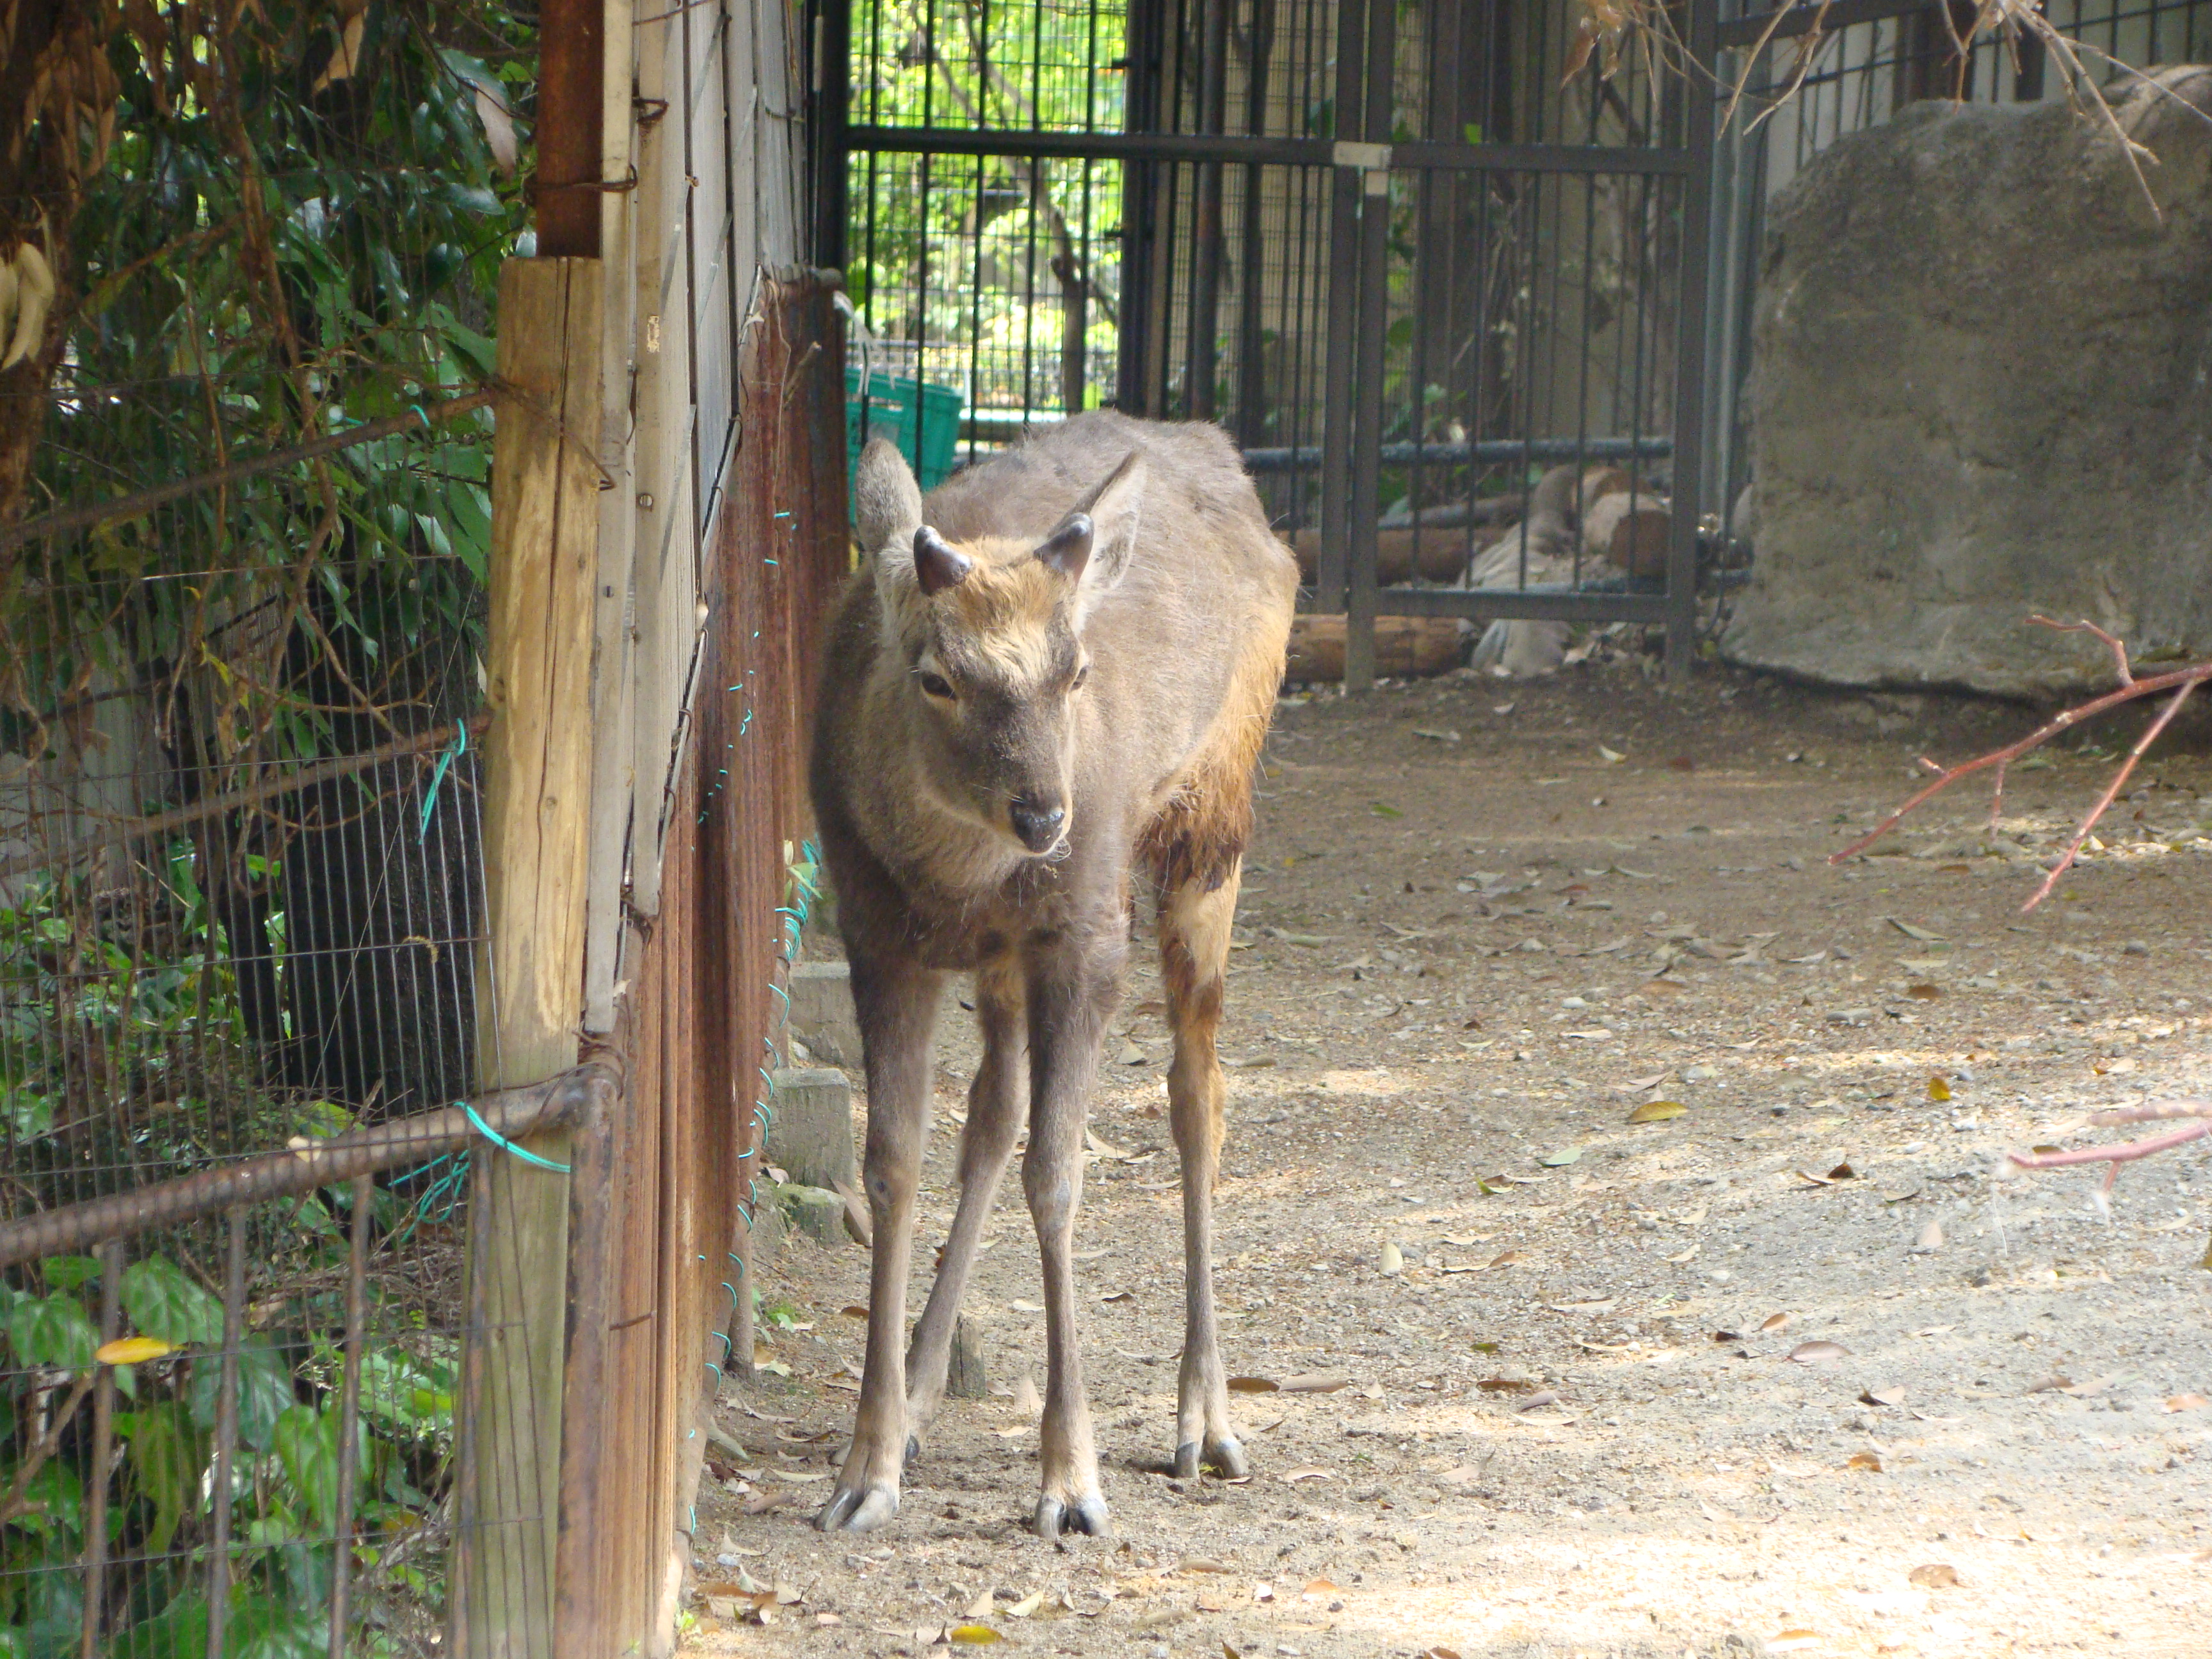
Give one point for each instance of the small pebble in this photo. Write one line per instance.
(2135, 947)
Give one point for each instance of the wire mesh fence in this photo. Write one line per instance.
(242, 557)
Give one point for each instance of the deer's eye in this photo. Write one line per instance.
(1081, 675)
(936, 685)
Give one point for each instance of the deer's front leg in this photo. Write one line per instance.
(897, 1003)
(1070, 999)
(994, 1119)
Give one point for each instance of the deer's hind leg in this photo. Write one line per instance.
(995, 1100)
(1196, 910)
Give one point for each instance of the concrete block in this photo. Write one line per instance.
(809, 1137)
(814, 1210)
(821, 1013)
(766, 1228)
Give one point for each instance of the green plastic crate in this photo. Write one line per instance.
(892, 414)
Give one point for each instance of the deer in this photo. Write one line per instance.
(1056, 670)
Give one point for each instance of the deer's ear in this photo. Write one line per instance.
(886, 501)
(1092, 545)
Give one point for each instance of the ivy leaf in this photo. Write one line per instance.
(264, 1393)
(163, 1302)
(166, 1455)
(68, 1273)
(52, 1330)
(307, 1442)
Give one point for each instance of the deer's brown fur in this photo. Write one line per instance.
(1060, 666)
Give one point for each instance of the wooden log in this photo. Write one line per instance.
(1437, 553)
(537, 773)
(1406, 647)
(1630, 531)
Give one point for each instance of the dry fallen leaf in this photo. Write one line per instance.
(1938, 1089)
(1393, 1260)
(1843, 1172)
(1881, 1397)
(1866, 1460)
(1937, 1575)
(1291, 1477)
(973, 1636)
(1253, 1385)
(2184, 1403)
(982, 1607)
(1657, 1111)
(1931, 1237)
(1774, 1322)
(1316, 1383)
(1818, 1353)
(1506, 1385)
(1507, 1258)
(1028, 1605)
(1025, 1397)
(854, 1310)
(1319, 1587)
(1792, 1641)
(1924, 992)
(1202, 1563)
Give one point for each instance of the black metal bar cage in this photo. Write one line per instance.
(1444, 293)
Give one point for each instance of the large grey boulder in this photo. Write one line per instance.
(1981, 388)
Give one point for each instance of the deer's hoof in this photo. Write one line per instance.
(1086, 1515)
(912, 1450)
(858, 1509)
(1220, 1453)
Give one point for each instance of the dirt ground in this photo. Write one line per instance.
(1484, 921)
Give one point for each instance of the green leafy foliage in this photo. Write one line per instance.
(52, 1330)
(163, 1302)
(289, 240)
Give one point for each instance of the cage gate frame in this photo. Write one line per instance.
(1227, 183)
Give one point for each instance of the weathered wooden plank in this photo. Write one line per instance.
(537, 772)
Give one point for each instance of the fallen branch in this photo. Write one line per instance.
(2128, 1151)
(2181, 682)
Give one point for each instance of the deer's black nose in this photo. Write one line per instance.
(1037, 822)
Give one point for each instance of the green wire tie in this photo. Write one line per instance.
(506, 1146)
(459, 746)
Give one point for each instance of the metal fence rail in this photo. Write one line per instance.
(1379, 243)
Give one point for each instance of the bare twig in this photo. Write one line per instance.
(2130, 1150)
(14, 1503)
(145, 500)
(2181, 682)
(281, 783)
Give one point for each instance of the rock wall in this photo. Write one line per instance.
(1981, 388)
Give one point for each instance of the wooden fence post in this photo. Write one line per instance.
(537, 815)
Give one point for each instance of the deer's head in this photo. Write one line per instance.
(988, 635)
